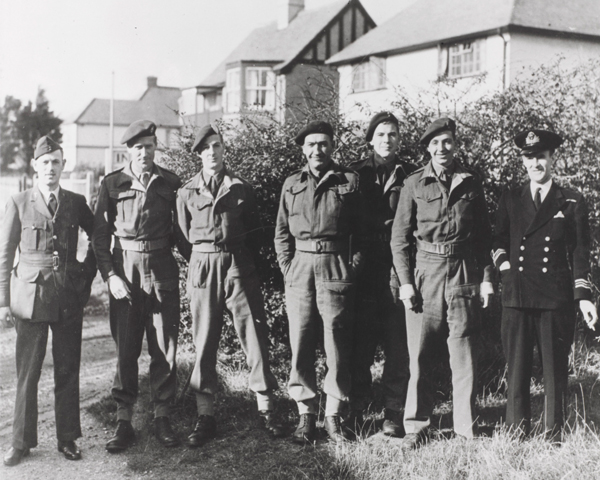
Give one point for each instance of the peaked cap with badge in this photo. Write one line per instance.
(139, 128)
(205, 132)
(436, 127)
(381, 117)
(45, 145)
(536, 140)
(314, 127)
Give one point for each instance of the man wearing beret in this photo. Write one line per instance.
(541, 248)
(320, 228)
(47, 289)
(136, 211)
(217, 214)
(380, 314)
(442, 216)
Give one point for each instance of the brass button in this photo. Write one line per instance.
(55, 253)
(520, 269)
(544, 269)
(54, 237)
(522, 247)
(520, 259)
(547, 239)
(546, 249)
(545, 260)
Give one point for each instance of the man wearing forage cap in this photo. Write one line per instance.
(442, 218)
(136, 212)
(541, 248)
(318, 240)
(46, 290)
(379, 312)
(217, 214)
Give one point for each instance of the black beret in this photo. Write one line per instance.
(534, 141)
(436, 127)
(380, 117)
(314, 127)
(205, 132)
(139, 128)
(45, 145)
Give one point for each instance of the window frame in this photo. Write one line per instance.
(233, 90)
(268, 89)
(464, 59)
(369, 75)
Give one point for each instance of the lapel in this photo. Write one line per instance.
(64, 203)
(38, 203)
(553, 202)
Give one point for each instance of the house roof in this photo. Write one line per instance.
(268, 44)
(428, 22)
(158, 104)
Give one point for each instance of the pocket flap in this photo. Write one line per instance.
(26, 273)
(429, 196)
(338, 287)
(470, 290)
(168, 285)
(166, 193)
(121, 194)
(296, 189)
(345, 188)
(469, 195)
(201, 202)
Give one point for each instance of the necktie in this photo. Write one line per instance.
(52, 204)
(537, 199)
(145, 179)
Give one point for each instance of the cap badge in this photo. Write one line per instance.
(532, 139)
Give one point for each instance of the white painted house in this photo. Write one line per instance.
(482, 44)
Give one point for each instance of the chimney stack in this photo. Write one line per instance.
(288, 9)
(152, 82)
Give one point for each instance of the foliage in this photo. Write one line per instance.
(20, 128)
(554, 97)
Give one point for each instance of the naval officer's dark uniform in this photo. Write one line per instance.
(548, 251)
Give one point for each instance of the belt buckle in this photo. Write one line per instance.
(318, 246)
(144, 245)
(55, 261)
(446, 249)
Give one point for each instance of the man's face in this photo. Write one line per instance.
(49, 168)
(317, 149)
(441, 147)
(141, 153)
(211, 153)
(539, 166)
(385, 139)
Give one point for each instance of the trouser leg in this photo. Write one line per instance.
(555, 330)
(396, 374)
(127, 324)
(161, 333)
(244, 300)
(335, 301)
(207, 303)
(30, 352)
(66, 352)
(517, 342)
(464, 327)
(301, 307)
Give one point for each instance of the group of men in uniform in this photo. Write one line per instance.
(380, 252)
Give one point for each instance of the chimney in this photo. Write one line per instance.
(152, 82)
(288, 9)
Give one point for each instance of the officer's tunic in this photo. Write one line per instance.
(548, 251)
(47, 288)
(222, 276)
(379, 313)
(320, 227)
(451, 233)
(141, 222)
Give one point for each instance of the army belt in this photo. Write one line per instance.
(321, 246)
(443, 249)
(212, 248)
(142, 246)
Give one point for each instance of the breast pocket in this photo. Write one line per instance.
(557, 226)
(296, 199)
(125, 203)
(165, 199)
(33, 235)
(466, 206)
(429, 205)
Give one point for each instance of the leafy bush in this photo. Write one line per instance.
(553, 97)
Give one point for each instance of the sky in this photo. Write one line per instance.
(70, 47)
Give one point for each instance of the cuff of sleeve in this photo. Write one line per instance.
(583, 293)
(499, 256)
(108, 275)
(486, 288)
(407, 291)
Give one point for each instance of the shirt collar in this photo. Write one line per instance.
(544, 189)
(46, 193)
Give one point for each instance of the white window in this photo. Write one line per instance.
(232, 88)
(369, 75)
(465, 59)
(260, 88)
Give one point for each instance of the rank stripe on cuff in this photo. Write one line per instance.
(497, 253)
(582, 283)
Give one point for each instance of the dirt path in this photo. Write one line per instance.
(97, 371)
